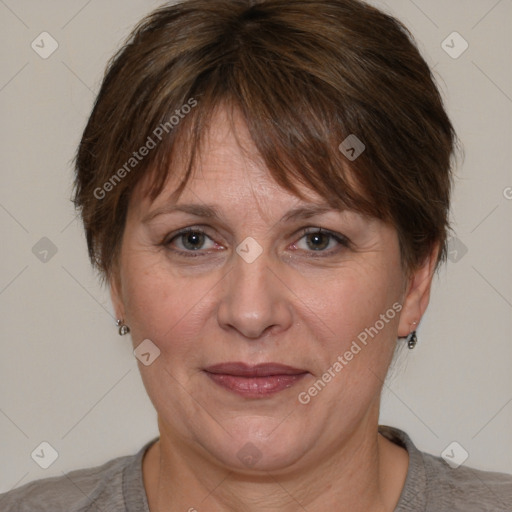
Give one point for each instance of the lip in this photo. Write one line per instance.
(254, 381)
(239, 369)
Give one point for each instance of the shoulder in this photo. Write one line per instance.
(81, 490)
(466, 488)
(432, 485)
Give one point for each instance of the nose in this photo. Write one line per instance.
(255, 300)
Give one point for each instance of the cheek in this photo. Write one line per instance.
(355, 299)
(358, 318)
(359, 312)
(162, 305)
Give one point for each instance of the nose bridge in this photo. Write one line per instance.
(253, 299)
(251, 267)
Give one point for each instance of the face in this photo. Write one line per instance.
(250, 288)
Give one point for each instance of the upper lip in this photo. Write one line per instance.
(258, 370)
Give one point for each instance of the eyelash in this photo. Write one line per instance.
(342, 240)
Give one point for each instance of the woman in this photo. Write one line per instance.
(265, 187)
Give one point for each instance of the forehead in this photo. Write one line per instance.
(228, 170)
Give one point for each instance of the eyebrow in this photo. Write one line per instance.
(211, 212)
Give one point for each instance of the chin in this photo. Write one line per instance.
(257, 444)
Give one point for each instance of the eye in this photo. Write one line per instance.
(318, 240)
(190, 240)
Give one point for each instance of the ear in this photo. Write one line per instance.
(116, 294)
(417, 294)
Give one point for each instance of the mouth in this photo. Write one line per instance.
(255, 381)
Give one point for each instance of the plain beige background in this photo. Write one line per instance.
(68, 379)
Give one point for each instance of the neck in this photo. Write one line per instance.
(365, 472)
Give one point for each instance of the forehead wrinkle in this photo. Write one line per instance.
(217, 159)
(211, 211)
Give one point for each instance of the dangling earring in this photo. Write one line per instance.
(123, 328)
(412, 339)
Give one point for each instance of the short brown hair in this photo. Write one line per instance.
(304, 74)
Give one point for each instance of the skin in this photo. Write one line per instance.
(287, 306)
